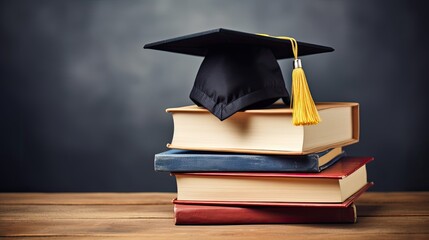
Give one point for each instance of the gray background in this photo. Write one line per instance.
(82, 104)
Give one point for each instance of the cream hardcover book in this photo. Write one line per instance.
(265, 131)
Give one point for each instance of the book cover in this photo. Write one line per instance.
(199, 161)
(210, 214)
(265, 131)
(334, 184)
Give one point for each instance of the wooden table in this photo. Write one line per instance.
(392, 215)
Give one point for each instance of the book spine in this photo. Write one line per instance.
(234, 163)
(202, 214)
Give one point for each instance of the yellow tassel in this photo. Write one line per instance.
(304, 109)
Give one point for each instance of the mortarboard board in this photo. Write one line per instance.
(240, 70)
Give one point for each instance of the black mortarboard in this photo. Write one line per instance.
(240, 70)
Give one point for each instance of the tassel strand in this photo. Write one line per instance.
(304, 109)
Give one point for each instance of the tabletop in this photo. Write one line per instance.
(390, 215)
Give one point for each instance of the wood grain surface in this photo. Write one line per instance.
(394, 215)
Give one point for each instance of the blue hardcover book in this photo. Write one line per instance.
(198, 161)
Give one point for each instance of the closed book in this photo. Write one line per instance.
(333, 185)
(265, 131)
(209, 214)
(349, 201)
(198, 161)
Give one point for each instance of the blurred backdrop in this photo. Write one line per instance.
(82, 104)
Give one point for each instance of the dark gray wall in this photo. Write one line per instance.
(82, 104)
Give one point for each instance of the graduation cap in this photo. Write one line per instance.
(240, 71)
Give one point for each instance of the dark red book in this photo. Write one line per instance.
(211, 214)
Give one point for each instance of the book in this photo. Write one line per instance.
(332, 185)
(199, 161)
(209, 214)
(265, 131)
(346, 203)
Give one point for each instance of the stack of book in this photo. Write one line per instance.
(257, 167)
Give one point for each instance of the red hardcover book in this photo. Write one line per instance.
(333, 185)
(211, 214)
(348, 202)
